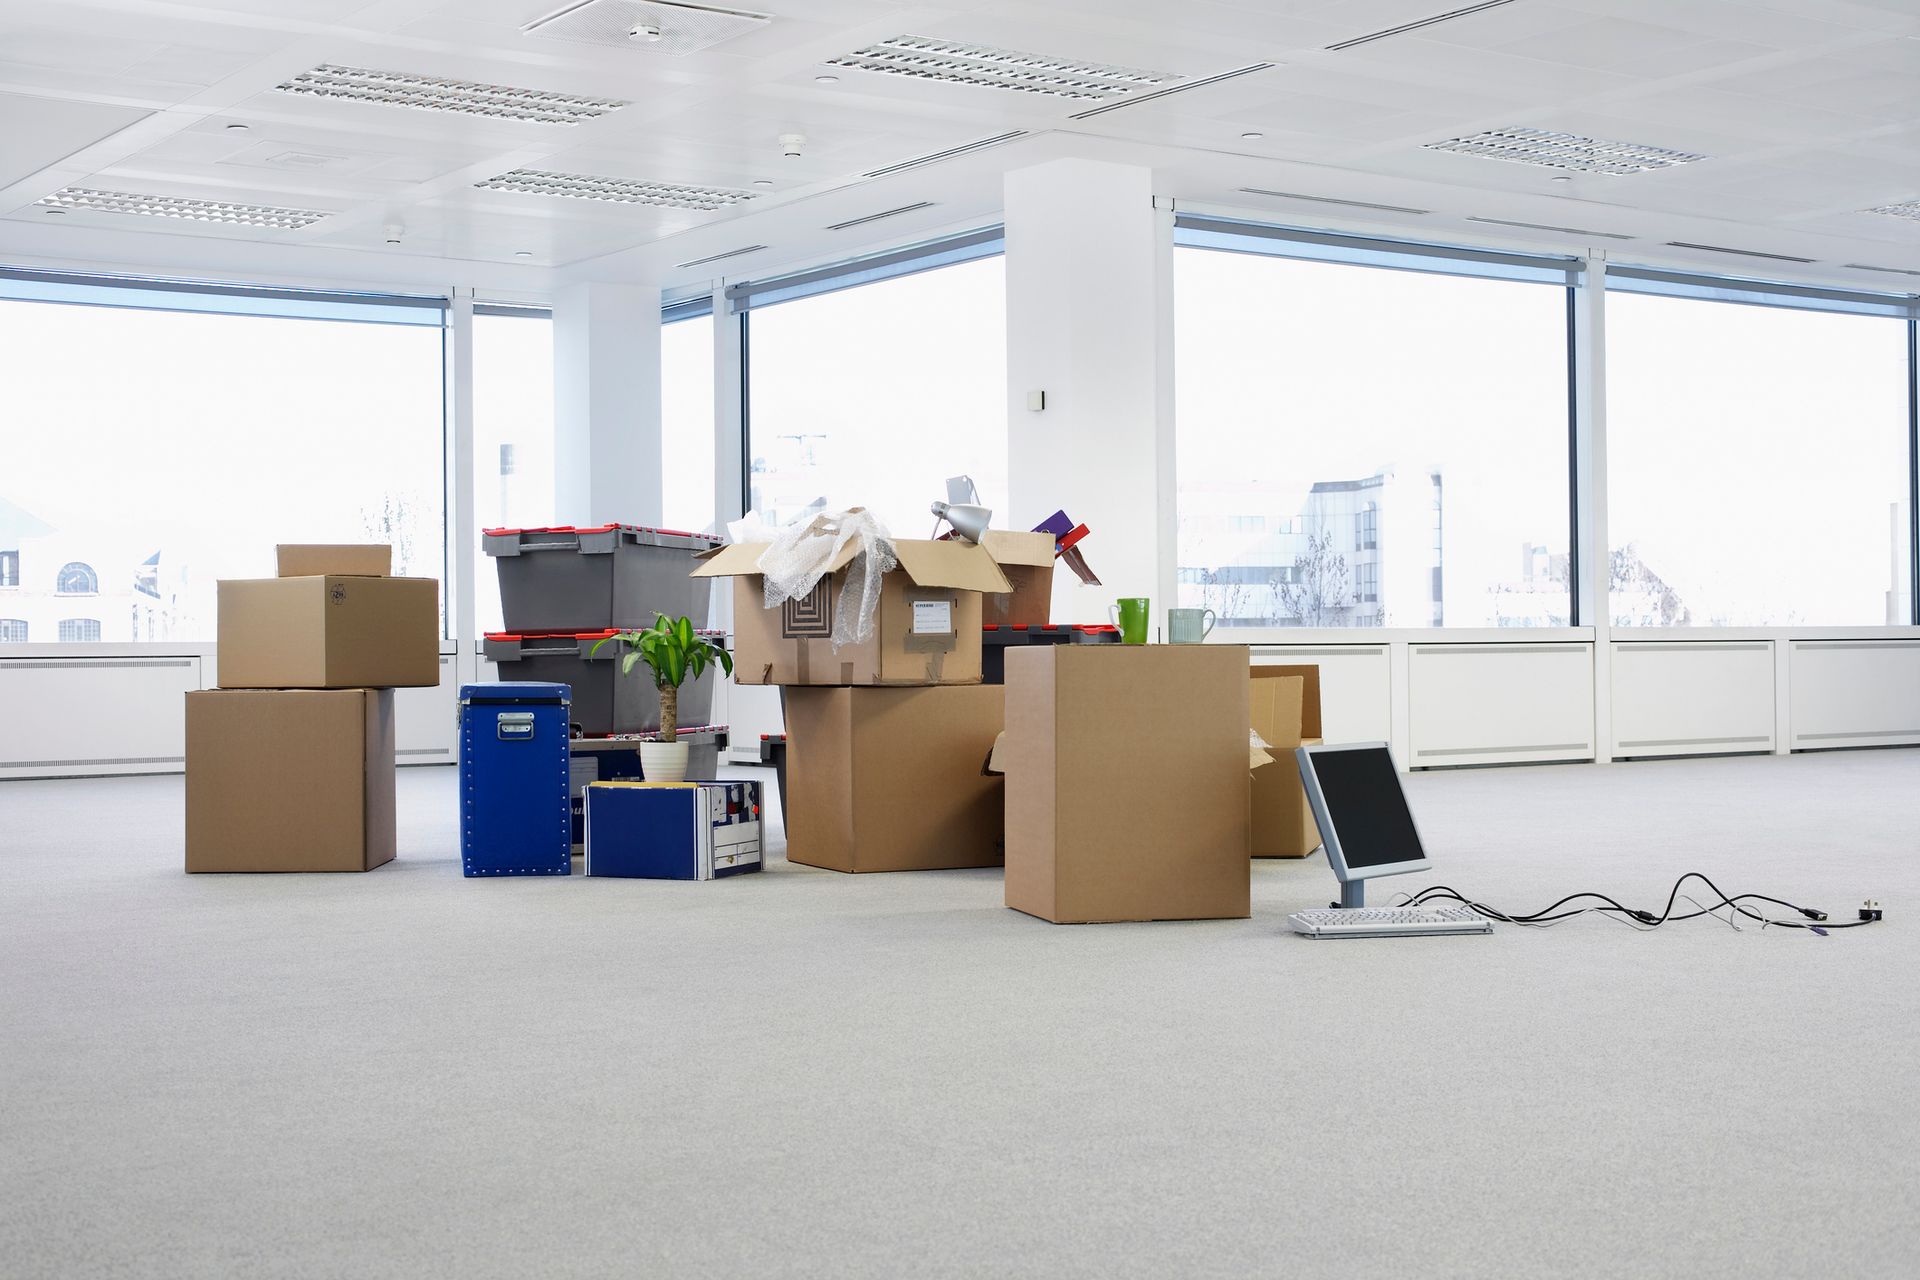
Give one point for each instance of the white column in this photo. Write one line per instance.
(1089, 323)
(606, 404)
(462, 532)
(1590, 489)
(729, 443)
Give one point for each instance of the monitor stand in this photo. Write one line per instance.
(1353, 895)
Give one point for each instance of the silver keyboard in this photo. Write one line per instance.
(1388, 922)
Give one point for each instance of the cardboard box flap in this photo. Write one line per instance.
(731, 561)
(339, 560)
(960, 565)
(1309, 696)
(1008, 547)
(996, 765)
(1276, 707)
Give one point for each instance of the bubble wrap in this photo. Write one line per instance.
(799, 556)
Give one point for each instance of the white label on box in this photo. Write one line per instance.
(933, 617)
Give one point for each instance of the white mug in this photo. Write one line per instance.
(1189, 626)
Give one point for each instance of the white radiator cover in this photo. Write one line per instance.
(1356, 687)
(79, 716)
(1499, 703)
(1680, 698)
(1854, 693)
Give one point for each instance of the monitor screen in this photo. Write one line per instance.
(1368, 807)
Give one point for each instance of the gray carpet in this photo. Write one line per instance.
(802, 1073)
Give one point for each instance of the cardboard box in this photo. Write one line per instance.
(329, 632)
(1285, 712)
(360, 560)
(289, 779)
(889, 779)
(1027, 561)
(926, 630)
(1127, 786)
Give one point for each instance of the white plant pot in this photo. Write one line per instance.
(664, 761)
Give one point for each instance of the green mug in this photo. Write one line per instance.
(1130, 615)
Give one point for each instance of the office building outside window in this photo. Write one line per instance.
(79, 629)
(1349, 454)
(13, 630)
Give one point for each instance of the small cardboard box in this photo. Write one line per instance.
(329, 632)
(359, 560)
(1285, 709)
(889, 779)
(926, 630)
(289, 779)
(1027, 561)
(1127, 786)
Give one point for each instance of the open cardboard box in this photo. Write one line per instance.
(1027, 561)
(341, 623)
(926, 630)
(1284, 703)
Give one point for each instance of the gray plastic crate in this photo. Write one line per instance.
(604, 701)
(618, 575)
(997, 639)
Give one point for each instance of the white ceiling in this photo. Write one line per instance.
(1808, 112)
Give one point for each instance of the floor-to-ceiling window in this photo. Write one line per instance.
(1370, 435)
(513, 455)
(873, 395)
(686, 420)
(162, 437)
(1757, 455)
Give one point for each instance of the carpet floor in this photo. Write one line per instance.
(801, 1073)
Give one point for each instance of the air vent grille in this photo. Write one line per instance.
(1550, 150)
(682, 28)
(1891, 271)
(987, 67)
(580, 186)
(221, 211)
(1904, 209)
(1406, 27)
(935, 157)
(717, 257)
(459, 97)
(875, 217)
(1547, 226)
(1738, 253)
(1351, 204)
(1184, 86)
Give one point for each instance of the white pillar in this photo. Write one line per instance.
(462, 614)
(1590, 490)
(1089, 323)
(606, 404)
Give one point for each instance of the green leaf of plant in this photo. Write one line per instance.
(684, 630)
(628, 662)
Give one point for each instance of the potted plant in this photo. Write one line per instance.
(675, 654)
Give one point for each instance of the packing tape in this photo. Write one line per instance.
(846, 673)
(803, 661)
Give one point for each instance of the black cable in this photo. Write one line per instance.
(1815, 920)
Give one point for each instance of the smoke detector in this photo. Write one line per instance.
(655, 26)
(791, 143)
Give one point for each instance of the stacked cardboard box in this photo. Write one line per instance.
(885, 738)
(290, 761)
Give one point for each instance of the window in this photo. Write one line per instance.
(1338, 388)
(180, 432)
(686, 423)
(513, 440)
(872, 396)
(1757, 459)
(9, 568)
(78, 629)
(77, 579)
(13, 630)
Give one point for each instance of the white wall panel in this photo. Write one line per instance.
(1356, 687)
(1854, 693)
(423, 719)
(1692, 698)
(67, 716)
(1499, 703)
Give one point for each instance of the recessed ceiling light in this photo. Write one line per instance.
(763, 182)
(462, 97)
(1903, 209)
(54, 211)
(953, 61)
(237, 128)
(1253, 133)
(523, 253)
(1561, 177)
(828, 79)
(580, 186)
(224, 211)
(1553, 150)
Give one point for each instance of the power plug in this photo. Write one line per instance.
(1870, 910)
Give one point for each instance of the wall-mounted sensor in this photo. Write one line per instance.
(394, 232)
(1036, 401)
(791, 143)
(645, 32)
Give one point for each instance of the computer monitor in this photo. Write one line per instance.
(1362, 813)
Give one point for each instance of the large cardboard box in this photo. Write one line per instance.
(1127, 787)
(926, 630)
(890, 780)
(330, 631)
(1285, 709)
(289, 779)
(358, 559)
(1027, 561)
